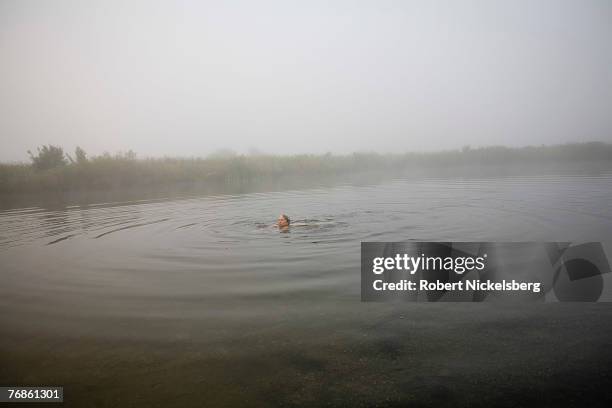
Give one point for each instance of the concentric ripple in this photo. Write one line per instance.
(144, 258)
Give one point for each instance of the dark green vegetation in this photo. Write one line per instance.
(52, 170)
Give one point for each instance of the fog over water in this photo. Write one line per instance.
(189, 78)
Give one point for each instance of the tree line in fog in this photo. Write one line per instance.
(53, 169)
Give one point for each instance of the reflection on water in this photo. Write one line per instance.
(223, 248)
(211, 270)
(549, 207)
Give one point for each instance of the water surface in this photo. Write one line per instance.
(199, 300)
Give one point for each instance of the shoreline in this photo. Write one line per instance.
(134, 191)
(54, 171)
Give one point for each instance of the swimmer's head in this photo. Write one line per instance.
(283, 221)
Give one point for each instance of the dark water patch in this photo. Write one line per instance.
(62, 239)
(390, 348)
(187, 225)
(305, 363)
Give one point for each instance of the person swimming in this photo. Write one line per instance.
(283, 221)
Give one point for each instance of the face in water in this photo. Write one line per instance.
(283, 221)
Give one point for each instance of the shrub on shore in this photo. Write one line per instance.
(52, 170)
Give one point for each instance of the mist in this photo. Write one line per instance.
(190, 78)
(193, 196)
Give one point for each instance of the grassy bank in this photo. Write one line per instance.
(108, 172)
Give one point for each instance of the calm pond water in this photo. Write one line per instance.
(198, 300)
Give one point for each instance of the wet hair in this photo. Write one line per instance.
(286, 217)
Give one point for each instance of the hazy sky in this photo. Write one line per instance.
(187, 78)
